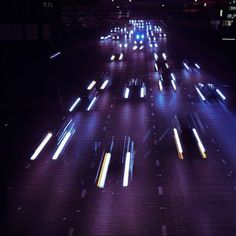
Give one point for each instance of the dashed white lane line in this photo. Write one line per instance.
(104, 128)
(27, 166)
(213, 140)
(145, 137)
(160, 190)
(108, 116)
(148, 153)
(71, 231)
(224, 162)
(164, 230)
(83, 193)
(157, 163)
(164, 134)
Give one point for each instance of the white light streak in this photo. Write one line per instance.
(126, 93)
(197, 65)
(112, 57)
(200, 145)
(164, 56)
(156, 67)
(160, 85)
(121, 56)
(142, 92)
(172, 76)
(104, 84)
(221, 94)
(229, 39)
(186, 66)
(200, 94)
(173, 84)
(74, 104)
(178, 144)
(104, 169)
(91, 104)
(91, 85)
(126, 172)
(61, 146)
(55, 55)
(41, 146)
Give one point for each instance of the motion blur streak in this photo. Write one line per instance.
(91, 85)
(104, 84)
(200, 94)
(178, 144)
(173, 84)
(160, 85)
(61, 146)
(142, 92)
(74, 104)
(55, 55)
(104, 169)
(200, 145)
(186, 66)
(173, 76)
(156, 67)
(164, 56)
(126, 172)
(91, 104)
(126, 95)
(221, 94)
(41, 146)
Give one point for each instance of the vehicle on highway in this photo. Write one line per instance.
(117, 56)
(135, 88)
(209, 92)
(187, 139)
(86, 100)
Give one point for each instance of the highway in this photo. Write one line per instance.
(163, 164)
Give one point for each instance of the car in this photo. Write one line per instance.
(117, 56)
(209, 91)
(135, 88)
(86, 100)
(186, 136)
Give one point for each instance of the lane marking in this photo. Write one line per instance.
(27, 166)
(163, 135)
(83, 193)
(224, 162)
(164, 230)
(148, 153)
(71, 231)
(145, 137)
(213, 140)
(157, 163)
(160, 190)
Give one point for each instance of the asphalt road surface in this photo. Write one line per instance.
(169, 192)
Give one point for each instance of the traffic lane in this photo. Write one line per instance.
(47, 185)
(122, 214)
(202, 202)
(196, 188)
